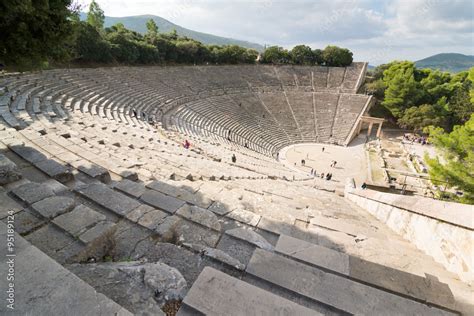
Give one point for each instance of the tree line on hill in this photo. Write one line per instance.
(39, 33)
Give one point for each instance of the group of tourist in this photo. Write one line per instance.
(408, 138)
(327, 176)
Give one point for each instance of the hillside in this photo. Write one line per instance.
(138, 24)
(451, 62)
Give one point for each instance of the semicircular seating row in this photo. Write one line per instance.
(263, 107)
(61, 121)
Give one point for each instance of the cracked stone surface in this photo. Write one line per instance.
(200, 216)
(8, 171)
(54, 206)
(32, 192)
(123, 282)
(79, 219)
(251, 237)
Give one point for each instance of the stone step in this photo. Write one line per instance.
(333, 290)
(424, 289)
(216, 293)
(37, 274)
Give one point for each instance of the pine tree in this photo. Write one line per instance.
(456, 168)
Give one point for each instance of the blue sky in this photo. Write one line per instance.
(376, 31)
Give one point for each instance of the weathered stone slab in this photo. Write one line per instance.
(200, 216)
(219, 208)
(245, 217)
(182, 194)
(96, 231)
(49, 239)
(251, 237)
(137, 213)
(25, 222)
(131, 188)
(152, 219)
(345, 226)
(162, 201)
(32, 192)
(8, 206)
(274, 226)
(140, 287)
(216, 293)
(56, 186)
(108, 198)
(314, 254)
(218, 255)
(54, 206)
(92, 170)
(28, 153)
(174, 229)
(55, 170)
(424, 289)
(167, 230)
(78, 220)
(8, 171)
(66, 292)
(334, 290)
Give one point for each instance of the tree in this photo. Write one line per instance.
(419, 117)
(460, 105)
(402, 91)
(35, 32)
(337, 57)
(275, 55)
(95, 16)
(90, 46)
(302, 55)
(456, 169)
(471, 78)
(318, 56)
(152, 28)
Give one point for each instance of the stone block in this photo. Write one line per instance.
(108, 198)
(162, 201)
(8, 171)
(79, 220)
(32, 192)
(216, 293)
(53, 206)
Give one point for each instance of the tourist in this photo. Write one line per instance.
(311, 171)
(234, 159)
(278, 156)
(364, 186)
(186, 144)
(335, 162)
(322, 175)
(303, 162)
(322, 150)
(134, 112)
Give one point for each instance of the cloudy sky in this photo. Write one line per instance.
(375, 30)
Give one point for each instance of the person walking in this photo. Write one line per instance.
(234, 159)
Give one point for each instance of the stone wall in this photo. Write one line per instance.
(443, 230)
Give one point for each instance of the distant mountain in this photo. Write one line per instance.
(451, 62)
(138, 24)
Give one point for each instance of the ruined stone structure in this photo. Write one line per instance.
(112, 215)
